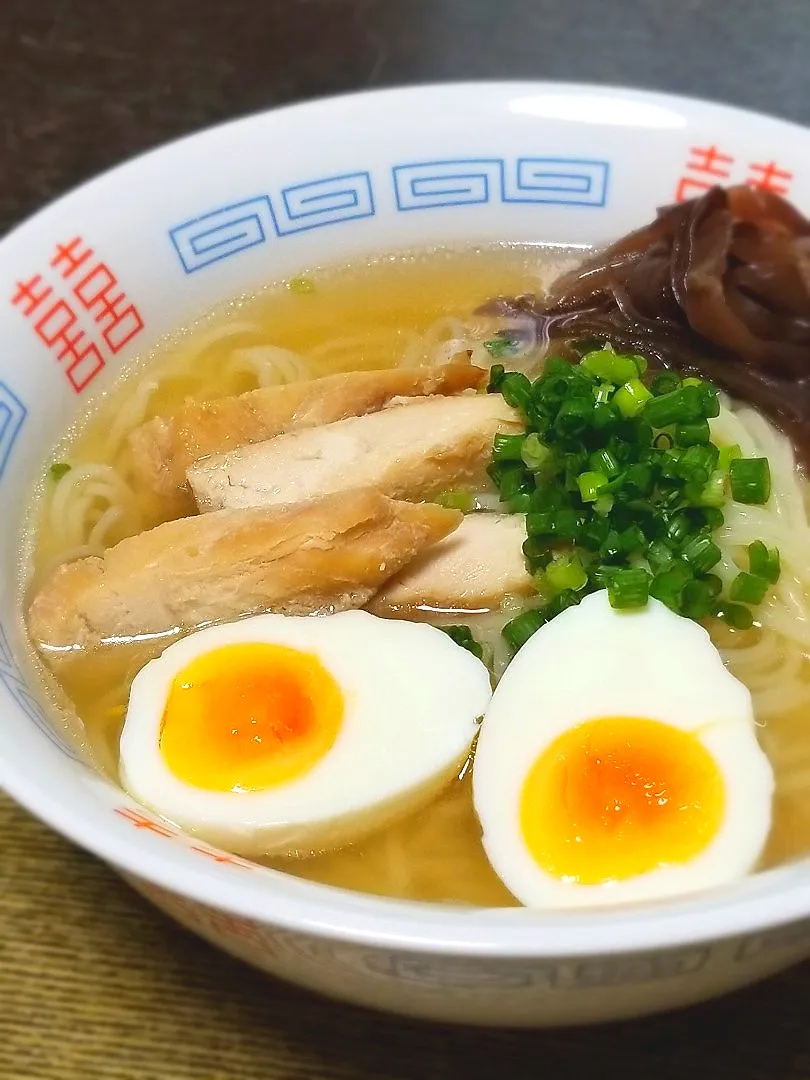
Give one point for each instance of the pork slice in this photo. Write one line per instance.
(407, 451)
(326, 555)
(472, 569)
(163, 448)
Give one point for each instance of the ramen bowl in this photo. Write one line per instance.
(95, 278)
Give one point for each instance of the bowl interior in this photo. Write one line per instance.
(100, 275)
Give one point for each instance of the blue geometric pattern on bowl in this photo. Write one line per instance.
(12, 417)
(417, 185)
(207, 239)
(564, 181)
(427, 184)
(323, 202)
(13, 681)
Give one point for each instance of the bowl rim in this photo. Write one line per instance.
(758, 902)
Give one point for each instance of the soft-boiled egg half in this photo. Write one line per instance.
(618, 762)
(283, 734)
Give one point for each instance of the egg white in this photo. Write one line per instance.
(412, 702)
(593, 662)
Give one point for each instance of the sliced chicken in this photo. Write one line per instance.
(408, 451)
(162, 449)
(326, 555)
(473, 569)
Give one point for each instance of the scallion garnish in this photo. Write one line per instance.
(301, 285)
(750, 480)
(508, 448)
(499, 346)
(566, 572)
(518, 630)
(748, 588)
(737, 616)
(630, 398)
(764, 561)
(463, 636)
(456, 500)
(628, 588)
(623, 489)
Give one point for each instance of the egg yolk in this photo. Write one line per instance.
(620, 796)
(249, 716)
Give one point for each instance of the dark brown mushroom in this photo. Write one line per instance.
(719, 285)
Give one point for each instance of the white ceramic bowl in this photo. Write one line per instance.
(151, 244)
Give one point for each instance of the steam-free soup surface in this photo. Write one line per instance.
(403, 310)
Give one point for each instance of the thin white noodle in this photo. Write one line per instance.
(270, 364)
(129, 416)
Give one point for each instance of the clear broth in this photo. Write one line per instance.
(368, 316)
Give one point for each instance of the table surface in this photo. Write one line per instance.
(93, 982)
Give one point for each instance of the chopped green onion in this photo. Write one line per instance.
(590, 484)
(566, 572)
(697, 600)
(714, 490)
(497, 373)
(535, 454)
(628, 588)
(573, 416)
(547, 498)
(712, 517)
(610, 367)
(499, 346)
(748, 588)
(693, 434)
(632, 539)
(727, 455)
(736, 615)
(764, 561)
(622, 488)
(667, 586)
(681, 406)
(518, 630)
(463, 636)
(630, 398)
(540, 523)
(701, 553)
(602, 461)
(710, 402)
(665, 383)
(59, 469)
(663, 441)
(456, 500)
(519, 504)
(594, 533)
(566, 524)
(301, 285)
(714, 584)
(750, 480)
(537, 551)
(561, 602)
(697, 462)
(612, 545)
(678, 529)
(659, 555)
(513, 481)
(640, 362)
(516, 389)
(638, 479)
(605, 417)
(508, 447)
